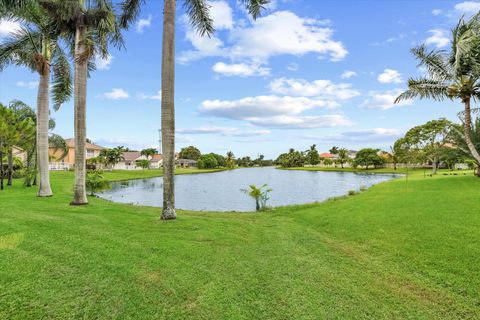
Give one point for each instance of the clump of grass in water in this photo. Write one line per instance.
(260, 195)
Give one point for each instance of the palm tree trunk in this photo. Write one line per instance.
(468, 131)
(1, 170)
(80, 106)
(10, 167)
(168, 109)
(44, 189)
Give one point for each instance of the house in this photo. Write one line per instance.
(186, 163)
(129, 162)
(130, 159)
(327, 155)
(61, 161)
(156, 161)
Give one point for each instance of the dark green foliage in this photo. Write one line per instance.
(190, 152)
(312, 157)
(207, 161)
(368, 157)
(291, 159)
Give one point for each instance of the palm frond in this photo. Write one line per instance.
(255, 7)
(62, 78)
(130, 10)
(198, 11)
(58, 144)
(19, 49)
(424, 88)
(434, 61)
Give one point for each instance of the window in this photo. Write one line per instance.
(90, 153)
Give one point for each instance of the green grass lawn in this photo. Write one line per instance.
(397, 251)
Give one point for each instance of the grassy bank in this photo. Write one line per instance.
(403, 251)
(410, 171)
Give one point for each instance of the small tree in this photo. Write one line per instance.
(327, 162)
(207, 161)
(230, 160)
(342, 156)
(368, 157)
(312, 157)
(144, 164)
(190, 152)
(96, 182)
(259, 194)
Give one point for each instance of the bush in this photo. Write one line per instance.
(207, 161)
(96, 182)
(352, 192)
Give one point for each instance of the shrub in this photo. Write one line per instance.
(96, 182)
(352, 192)
(207, 161)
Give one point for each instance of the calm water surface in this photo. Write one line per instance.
(220, 191)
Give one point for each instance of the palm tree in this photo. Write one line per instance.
(36, 46)
(112, 156)
(89, 26)
(150, 152)
(230, 160)
(259, 194)
(451, 75)
(342, 156)
(199, 15)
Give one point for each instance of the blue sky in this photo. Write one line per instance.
(307, 72)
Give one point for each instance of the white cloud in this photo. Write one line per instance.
(29, 84)
(116, 94)
(437, 12)
(261, 106)
(390, 76)
(103, 63)
(384, 100)
(324, 89)
(279, 33)
(438, 38)
(470, 7)
(225, 131)
(302, 122)
(348, 74)
(221, 13)
(143, 23)
(157, 96)
(240, 69)
(356, 136)
(7, 27)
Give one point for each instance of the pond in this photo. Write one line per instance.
(220, 191)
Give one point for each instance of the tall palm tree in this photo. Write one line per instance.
(198, 12)
(37, 47)
(89, 26)
(451, 75)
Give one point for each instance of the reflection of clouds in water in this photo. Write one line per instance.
(220, 191)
